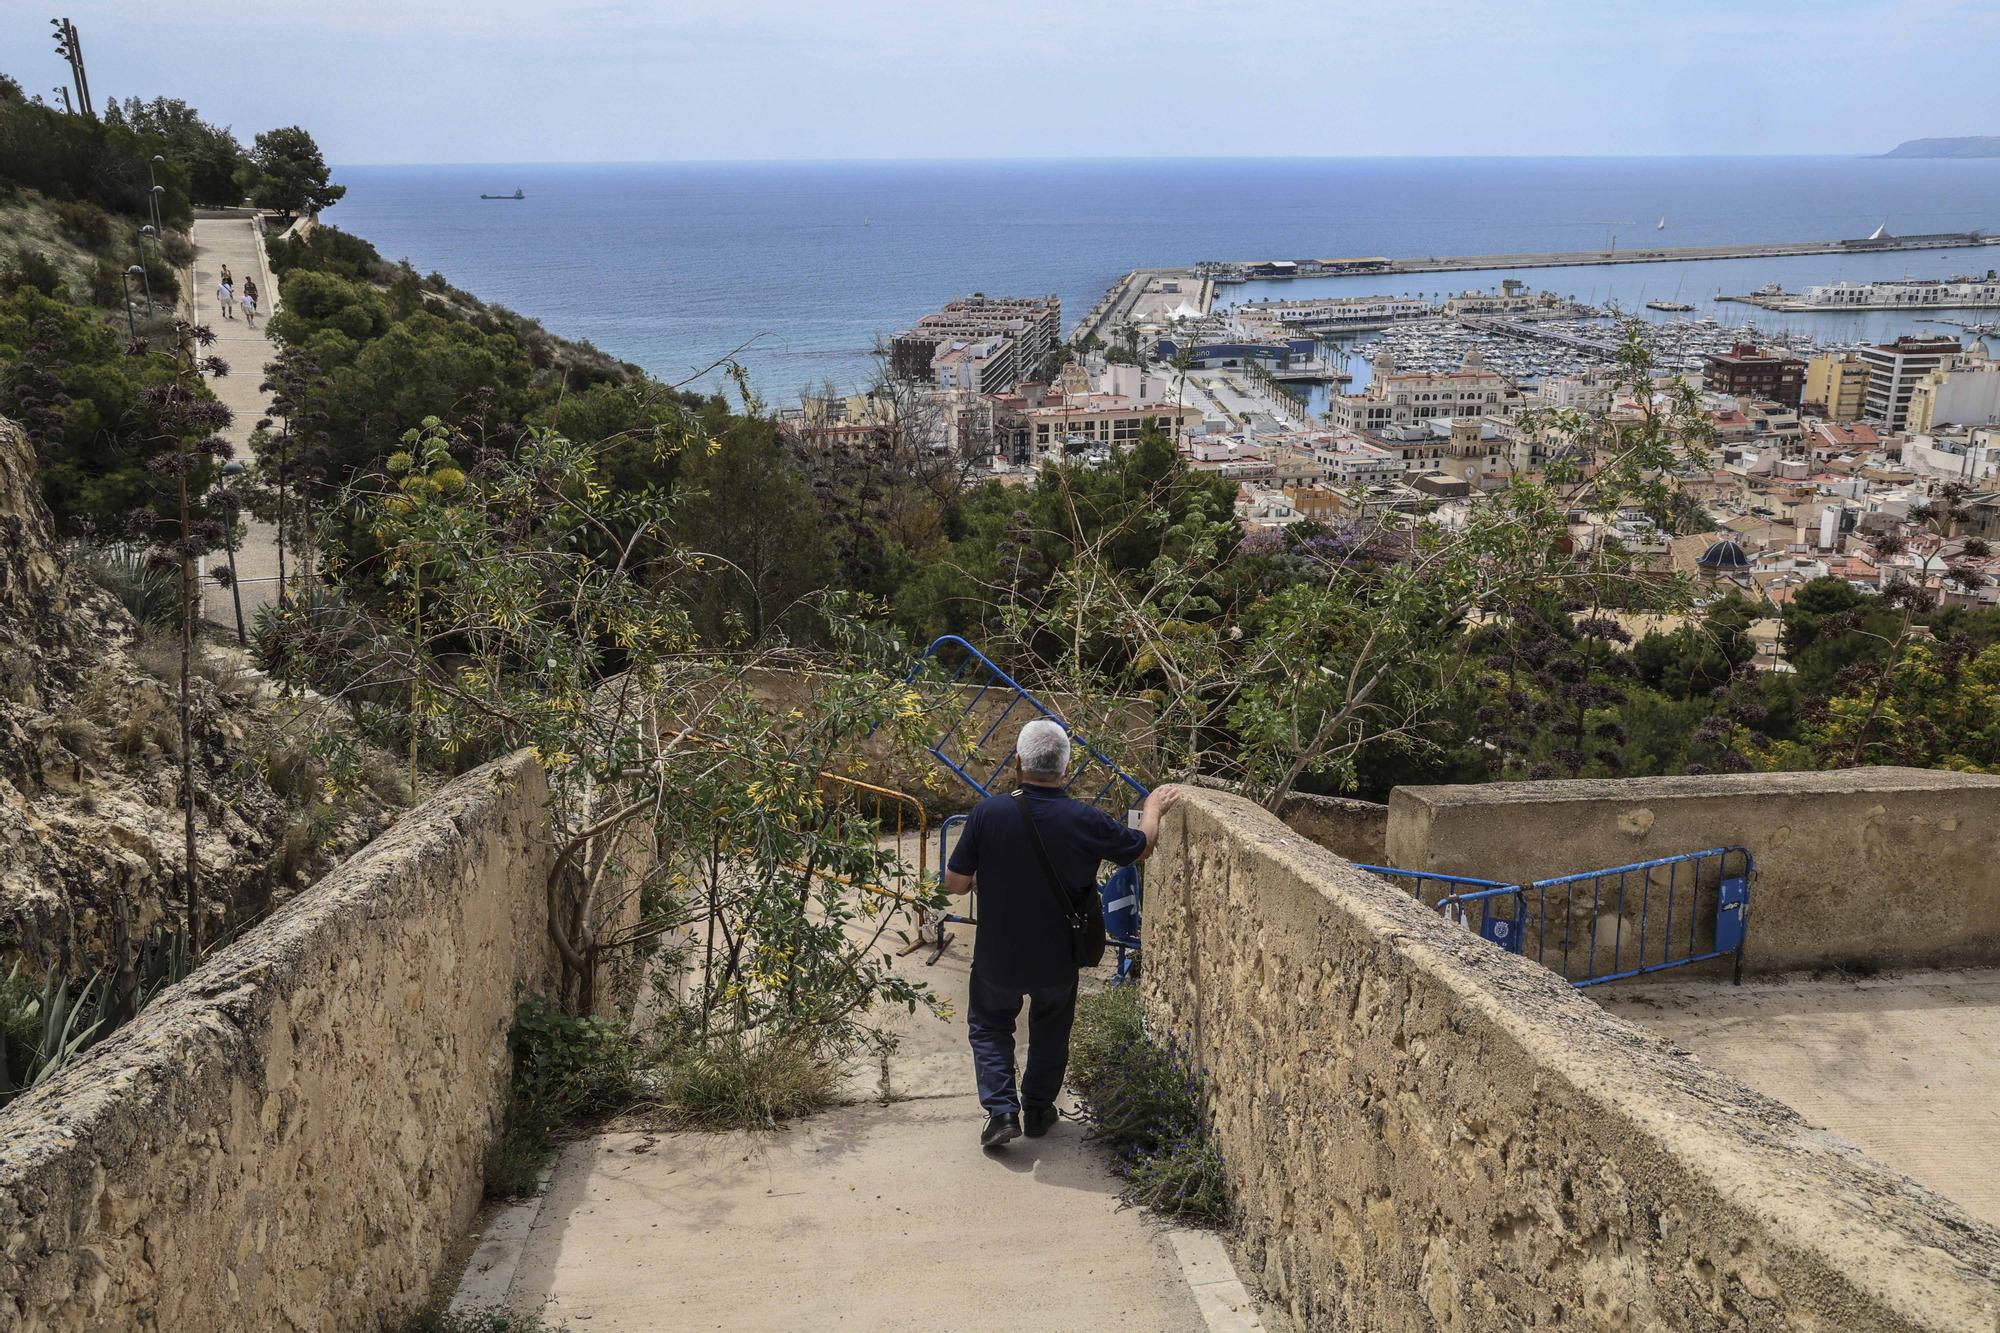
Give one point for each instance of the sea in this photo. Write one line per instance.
(797, 269)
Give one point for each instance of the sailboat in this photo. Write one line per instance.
(1663, 224)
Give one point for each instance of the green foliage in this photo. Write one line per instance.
(1144, 1103)
(68, 378)
(208, 156)
(101, 161)
(290, 173)
(144, 589)
(566, 1070)
(45, 1027)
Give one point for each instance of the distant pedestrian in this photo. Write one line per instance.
(225, 275)
(250, 289)
(224, 294)
(249, 305)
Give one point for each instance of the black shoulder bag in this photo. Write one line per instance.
(1084, 916)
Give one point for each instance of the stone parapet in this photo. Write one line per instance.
(1883, 866)
(295, 1136)
(1424, 1132)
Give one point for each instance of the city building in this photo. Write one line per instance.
(1750, 372)
(1836, 386)
(1968, 455)
(1046, 418)
(1963, 392)
(1893, 371)
(1400, 398)
(1031, 326)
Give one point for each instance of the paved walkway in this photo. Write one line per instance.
(1903, 1065)
(233, 241)
(877, 1215)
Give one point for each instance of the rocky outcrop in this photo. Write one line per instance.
(90, 819)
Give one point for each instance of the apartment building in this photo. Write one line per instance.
(1836, 386)
(1963, 392)
(1031, 325)
(1893, 371)
(1748, 371)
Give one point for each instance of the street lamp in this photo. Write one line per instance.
(126, 279)
(232, 472)
(140, 243)
(153, 195)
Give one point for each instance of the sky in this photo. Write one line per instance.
(380, 81)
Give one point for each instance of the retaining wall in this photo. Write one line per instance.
(1424, 1132)
(294, 1136)
(1892, 866)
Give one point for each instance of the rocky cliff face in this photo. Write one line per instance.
(90, 819)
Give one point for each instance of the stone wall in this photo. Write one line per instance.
(1356, 830)
(294, 1136)
(1892, 866)
(1426, 1133)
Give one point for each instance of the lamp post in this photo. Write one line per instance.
(232, 472)
(126, 279)
(153, 195)
(139, 243)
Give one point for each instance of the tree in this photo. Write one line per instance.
(505, 620)
(291, 175)
(209, 155)
(183, 420)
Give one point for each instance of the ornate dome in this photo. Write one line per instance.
(1724, 557)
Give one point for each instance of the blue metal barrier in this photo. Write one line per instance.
(1675, 896)
(1119, 790)
(966, 758)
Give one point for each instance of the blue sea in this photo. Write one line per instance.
(797, 268)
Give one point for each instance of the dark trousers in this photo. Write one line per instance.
(990, 1012)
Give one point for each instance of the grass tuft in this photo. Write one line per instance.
(1143, 1102)
(745, 1083)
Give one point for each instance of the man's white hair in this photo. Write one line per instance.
(1043, 748)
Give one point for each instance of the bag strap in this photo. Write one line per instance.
(1064, 904)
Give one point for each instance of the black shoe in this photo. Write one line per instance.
(1040, 1120)
(1000, 1130)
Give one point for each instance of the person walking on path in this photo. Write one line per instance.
(1022, 947)
(250, 303)
(226, 296)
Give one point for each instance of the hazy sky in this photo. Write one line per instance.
(519, 80)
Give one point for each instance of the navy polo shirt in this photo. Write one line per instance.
(1023, 942)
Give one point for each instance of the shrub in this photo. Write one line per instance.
(566, 1069)
(83, 222)
(1144, 1104)
(151, 594)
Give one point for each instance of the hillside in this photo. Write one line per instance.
(1969, 145)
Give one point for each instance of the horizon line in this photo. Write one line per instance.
(1144, 157)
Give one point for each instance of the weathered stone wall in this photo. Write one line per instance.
(1426, 1133)
(1895, 866)
(295, 1136)
(1356, 830)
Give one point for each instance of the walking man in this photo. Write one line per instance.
(1022, 947)
(227, 297)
